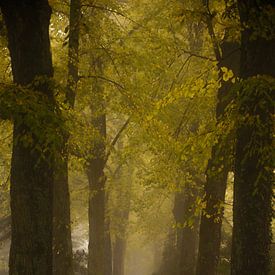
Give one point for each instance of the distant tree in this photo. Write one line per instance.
(62, 242)
(97, 180)
(120, 216)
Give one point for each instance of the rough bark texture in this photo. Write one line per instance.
(31, 170)
(253, 160)
(216, 174)
(62, 261)
(218, 166)
(187, 239)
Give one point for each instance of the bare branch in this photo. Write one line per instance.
(209, 22)
(199, 56)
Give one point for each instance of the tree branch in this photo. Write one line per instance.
(116, 138)
(103, 78)
(112, 11)
(209, 22)
(198, 55)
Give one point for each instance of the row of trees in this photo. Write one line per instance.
(171, 97)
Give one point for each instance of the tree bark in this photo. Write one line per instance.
(252, 209)
(31, 170)
(63, 262)
(187, 239)
(97, 179)
(218, 166)
(99, 259)
(108, 247)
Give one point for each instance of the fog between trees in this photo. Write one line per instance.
(137, 137)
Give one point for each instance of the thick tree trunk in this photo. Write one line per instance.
(252, 210)
(31, 169)
(62, 261)
(218, 166)
(211, 219)
(216, 174)
(187, 236)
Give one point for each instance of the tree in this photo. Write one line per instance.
(32, 172)
(253, 171)
(227, 55)
(121, 193)
(187, 233)
(185, 201)
(97, 263)
(62, 222)
(96, 157)
(216, 180)
(167, 68)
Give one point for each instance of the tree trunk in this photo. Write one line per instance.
(118, 258)
(211, 219)
(99, 260)
(252, 209)
(218, 166)
(188, 251)
(122, 214)
(170, 258)
(187, 239)
(62, 242)
(97, 179)
(31, 169)
(62, 261)
(96, 220)
(108, 247)
(217, 169)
